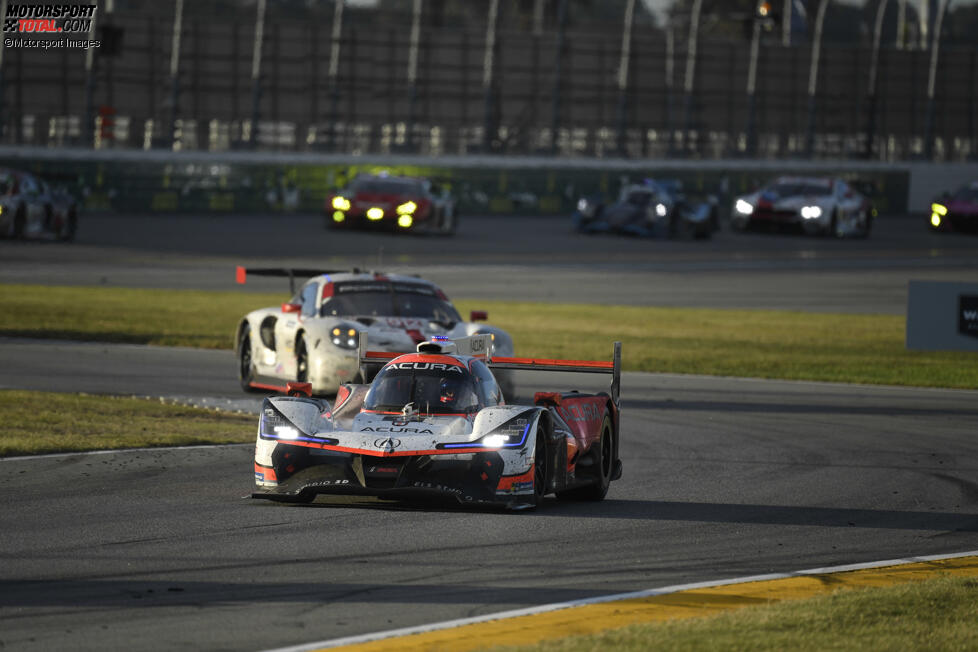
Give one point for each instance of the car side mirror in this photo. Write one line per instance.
(478, 315)
(291, 307)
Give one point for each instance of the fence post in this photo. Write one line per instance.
(689, 82)
(412, 71)
(932, 81)
(89, 131)
(488, 66)
(623, 66)
(873, 74)
(175, 70)
(813, 77)
(558, 75)
(755, 40)
(333, 72)
(256, 73)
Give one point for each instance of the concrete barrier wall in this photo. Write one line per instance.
(163, 181)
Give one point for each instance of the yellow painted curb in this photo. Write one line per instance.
(695, 603)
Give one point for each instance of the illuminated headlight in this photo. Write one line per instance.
(407, 208)
(341, 203)
(811, 212)
(585, 208)
(495, 441)
(1, 209)
(339, 216)
(935, 219)
(510, 435)
(661, 210)
(939, 209)
(343, 336)
(286, 432)
(375, 213)
(744, 207)
(405, 221)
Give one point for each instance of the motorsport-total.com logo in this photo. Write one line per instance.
(34, 25)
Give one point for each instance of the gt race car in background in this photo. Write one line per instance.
(31, 208)
(385, 202)
(816, 205)
(957, 211)
(655, 208)
(435, 422)
(313, 336)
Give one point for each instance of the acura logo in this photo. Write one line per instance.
(388, 442)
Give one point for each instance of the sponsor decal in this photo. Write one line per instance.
(327, 483)
(439, 487)
(420, 366)
(968, 315)
(387, 442)
(415, 431)
(580, 412)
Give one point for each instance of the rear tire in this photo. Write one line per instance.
(541, 468)
(301, 360)
(603, 455)
(20, 221)
(70, 226)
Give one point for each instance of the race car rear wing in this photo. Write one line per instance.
(241, 273)
(475, 345)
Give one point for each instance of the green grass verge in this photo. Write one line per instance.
(47, 422)
(937, 614)
(754, 343)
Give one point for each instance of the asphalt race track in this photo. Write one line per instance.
(723, 477)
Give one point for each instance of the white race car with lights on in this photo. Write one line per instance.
(392, 203)
(435, 422)
(817, 205)
(313, 336)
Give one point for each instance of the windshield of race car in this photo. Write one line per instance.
(389, 299)
(431, 387)
(387, 186)
(794, 188)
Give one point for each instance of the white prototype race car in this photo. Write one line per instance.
(435, 422)
(313, 336)
(818, 205)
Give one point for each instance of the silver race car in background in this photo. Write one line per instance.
(434, 422)
(817, 205)
(31, 208)
(313, 336)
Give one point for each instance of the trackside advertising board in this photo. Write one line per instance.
(942, 316)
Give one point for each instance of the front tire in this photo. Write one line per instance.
(246, 366)
(301, 360)
(541, 468)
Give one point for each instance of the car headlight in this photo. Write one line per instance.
(512, 434)
(661, 210)
(585, 208)
(940, 209)
(407, 208)
(811, 212)
(341, 203)
(744, 207)
(375, 213)
(344, 336)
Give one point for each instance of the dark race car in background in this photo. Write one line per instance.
(392, 203)
(31, 208)
(655, 208)
(957, 211)
(817, 205)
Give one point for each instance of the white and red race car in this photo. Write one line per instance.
(818, 205)
(435, 422)
(313, 336)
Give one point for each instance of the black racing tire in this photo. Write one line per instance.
(603, 456)
(69, 228)
(20, 221)
(833, 230)
(301, 360)
(541, 468)
(246, 366)
(867, 223)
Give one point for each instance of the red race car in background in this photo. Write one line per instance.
(392, 203)
(957, 211)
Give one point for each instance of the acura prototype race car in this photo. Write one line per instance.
(313, 336)
(31, 208)
(385, 202)
(957, 211)
(655, 208)
(817, 205)
(435, 422)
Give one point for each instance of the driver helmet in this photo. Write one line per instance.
(447, 391)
